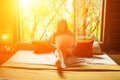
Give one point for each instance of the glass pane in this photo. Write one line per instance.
(88, 19)
(38, 18)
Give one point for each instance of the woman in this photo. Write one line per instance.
(62, 29)
(63, 39)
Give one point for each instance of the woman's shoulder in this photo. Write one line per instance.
(71, 33)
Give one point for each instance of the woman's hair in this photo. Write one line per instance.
(62, 28)
(62, 24)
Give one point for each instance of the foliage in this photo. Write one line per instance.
(39, 18)
(90, 19)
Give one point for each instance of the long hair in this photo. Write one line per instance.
(62, 24)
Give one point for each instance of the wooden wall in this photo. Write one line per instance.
(112, 25)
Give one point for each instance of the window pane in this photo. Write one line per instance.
(38, 18)
(88, 19)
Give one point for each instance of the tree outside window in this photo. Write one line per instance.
(38, 18)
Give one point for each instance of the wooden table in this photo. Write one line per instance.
(32, 74)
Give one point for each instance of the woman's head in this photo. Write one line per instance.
(62, 25)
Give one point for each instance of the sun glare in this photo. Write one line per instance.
(29, 3)
(4, 37)
(24, 3)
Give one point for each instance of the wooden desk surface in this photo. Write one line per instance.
(93, 72)
(25, 74)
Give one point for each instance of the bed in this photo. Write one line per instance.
(26, 65)
(29, 57)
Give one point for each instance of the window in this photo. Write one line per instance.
(88, 18)
(38, 18)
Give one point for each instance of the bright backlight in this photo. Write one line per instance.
(4, 37)
(24, 3)
(29, 3)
